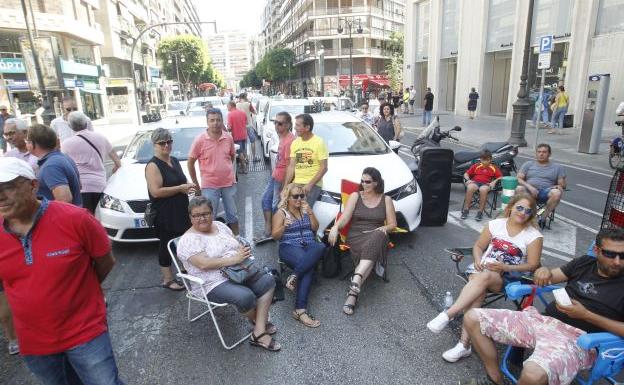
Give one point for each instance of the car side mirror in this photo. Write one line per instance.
(394, 145)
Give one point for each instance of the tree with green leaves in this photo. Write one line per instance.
(394, 68)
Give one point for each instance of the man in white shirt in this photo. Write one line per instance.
(61, 126)
(412, 99)
(15, 131)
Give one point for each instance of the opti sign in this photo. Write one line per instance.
(12, 66)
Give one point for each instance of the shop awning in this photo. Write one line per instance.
(365, 80)
(381, 82)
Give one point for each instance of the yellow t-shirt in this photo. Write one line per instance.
(563, 100)
(307, 155)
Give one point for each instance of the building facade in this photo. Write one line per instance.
(318, 31)
(453, 45)
(231, 53)
(68, 40)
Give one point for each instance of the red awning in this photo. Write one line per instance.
(364, 80)
(381, 82)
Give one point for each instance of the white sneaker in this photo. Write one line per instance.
(437, 324)
(13, 347)
(456, 353)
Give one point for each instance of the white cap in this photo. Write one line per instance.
(11, 168)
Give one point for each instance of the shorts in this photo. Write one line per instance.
(542, 194)
(554, 342)
(227, 194)
(479, 184)
(411, 102)
(243, 296)
(242, 146)
(251, 134)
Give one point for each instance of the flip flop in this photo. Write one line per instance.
(170, 283)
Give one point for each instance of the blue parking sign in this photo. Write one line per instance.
(546, 43)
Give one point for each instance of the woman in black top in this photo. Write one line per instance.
(168, 192)
(387, 123)
(473, 96)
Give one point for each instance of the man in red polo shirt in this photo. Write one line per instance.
(237, 123)
(53, 258)
(480, 176)
(215, 152)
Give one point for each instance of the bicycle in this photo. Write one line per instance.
(616, 149)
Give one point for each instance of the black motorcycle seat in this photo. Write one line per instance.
(493, 146)
(465, 156)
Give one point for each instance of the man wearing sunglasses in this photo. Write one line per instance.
(61, 126)
(596, 289)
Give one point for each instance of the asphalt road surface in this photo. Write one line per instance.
(384, 342)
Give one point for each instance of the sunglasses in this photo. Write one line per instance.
(297, 196)
(521, 209)
(612, 254)
(165, 142)
(364, 181)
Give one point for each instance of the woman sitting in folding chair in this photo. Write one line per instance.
(210, 245)
(372, 217)
(506, 248)
(294, 225)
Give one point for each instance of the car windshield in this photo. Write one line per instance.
(142, 149)
(293, 110)
(177, 106)
(350, 138)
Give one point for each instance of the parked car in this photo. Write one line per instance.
(260, 105)
(353, 145)
(293, 106)
(176, 108)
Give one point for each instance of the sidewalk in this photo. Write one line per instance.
(492, 129)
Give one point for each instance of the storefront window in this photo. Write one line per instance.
(450, 23)
(422, 31)
(610, 17)
(501, 19)
(552, 17)
(555, 75)
(92, 105)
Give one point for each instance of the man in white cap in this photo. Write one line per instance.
(53, 258)
(15, 132)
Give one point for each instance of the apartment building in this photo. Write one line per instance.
(321, 32)
(68, 39)
(231, 55)
(453, 45)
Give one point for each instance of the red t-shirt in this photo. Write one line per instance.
(481, 174)
(283, 157)
(53, 291)
(215, 160)
(237, 123)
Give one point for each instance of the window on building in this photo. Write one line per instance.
(552, 17)
(41, 6)
(501, 19)
(610, 17)
(450, 24)
(422, 31)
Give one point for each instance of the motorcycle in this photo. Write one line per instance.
(503, 153)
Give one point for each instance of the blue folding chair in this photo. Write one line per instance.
(609, 347)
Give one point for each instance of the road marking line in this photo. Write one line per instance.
(596, 213)
(577, 224)
(561, 257)
(593, 189)
(407, 154)
(248, 219)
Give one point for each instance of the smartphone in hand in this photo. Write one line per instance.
(561, 297)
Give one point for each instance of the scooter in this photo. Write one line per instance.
(503, 153)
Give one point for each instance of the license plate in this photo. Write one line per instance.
(140, 223)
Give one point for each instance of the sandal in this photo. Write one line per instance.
(169, 285)
(269, 327)
(272, 346)
(348, 308)
(310, 322)
(291, 281)
(355, 286)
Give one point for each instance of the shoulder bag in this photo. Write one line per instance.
(150, 215)
(241, 272)
(92, 145)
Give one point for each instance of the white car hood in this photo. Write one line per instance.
(393, 170)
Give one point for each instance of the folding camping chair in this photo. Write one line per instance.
(188, 281)
(490, 203)
(609, 347)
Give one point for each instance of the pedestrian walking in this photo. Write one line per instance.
(58, 176)
(245, 106)
(308, 159)
(365, 115)
(271, 195)
(215, 152)
(473, 96)
(4, 116)
(237, 123)
(88, 150)
(559, 107)
(15, 132)
(412, 99)
(39, 113)
(406, 97)
(388, 124)
(168, 191)
(61, 126)
(541, 109)
(53, 260)
(427, 107)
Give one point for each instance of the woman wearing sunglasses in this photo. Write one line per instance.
(294, 225)
(168, 191)
(506, 248)
(372, 217)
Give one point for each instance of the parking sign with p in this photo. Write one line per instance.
(546, 43)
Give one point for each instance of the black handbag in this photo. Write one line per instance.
(150, 215)
(331, 265)
(241, 272)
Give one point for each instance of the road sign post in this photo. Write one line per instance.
(543, 62)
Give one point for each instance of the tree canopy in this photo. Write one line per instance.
(275, 66)
(196, 67)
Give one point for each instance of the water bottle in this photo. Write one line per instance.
(448, 300)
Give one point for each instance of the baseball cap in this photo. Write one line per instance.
(3, 107)
(11, 168)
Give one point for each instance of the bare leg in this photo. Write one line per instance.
(253, 150)
(483, 193)
(554, 196)
(484, 346)
(6, 319)
(364, 267)
(234, 227)
(268, 218)
(533, 374)
(168, 277)
(262, 316)
(470, 190)
(465, 339)
(474, 289)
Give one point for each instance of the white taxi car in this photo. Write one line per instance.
(293, 106)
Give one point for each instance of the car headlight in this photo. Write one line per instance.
(329, 197)
(406, 190)
(108, 202)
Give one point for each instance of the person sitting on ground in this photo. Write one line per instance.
(210, 245)
(544, 180)
(372, 217)
(481, 177)
(596, 289)
(295, 225)
(506, 248)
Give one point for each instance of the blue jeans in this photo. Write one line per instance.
(558, 116)
(91, 363)
(426, 117)
(227, 194)
(302, 259)
(271, 195)
(536, 116)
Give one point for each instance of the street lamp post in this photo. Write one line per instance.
(178, 58)
(349, 24)
(522, 104)
(134, 43)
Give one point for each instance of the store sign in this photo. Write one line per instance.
(79, 83)
(154, 72)
(47, 53)
(12, 66)
(17, 85)
(71, 67)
